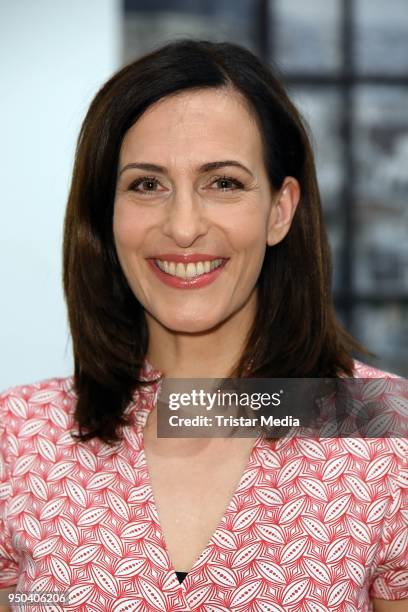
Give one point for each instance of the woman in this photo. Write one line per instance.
(194, 247)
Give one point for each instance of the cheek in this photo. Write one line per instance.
(251, 242)
(128, 229)
(128, 242)
(248, 233)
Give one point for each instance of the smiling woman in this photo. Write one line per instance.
(194, 248)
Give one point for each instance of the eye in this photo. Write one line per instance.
(145, 184)
(227, 183)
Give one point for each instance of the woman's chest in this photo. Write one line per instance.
(193, 485)
(296, 532)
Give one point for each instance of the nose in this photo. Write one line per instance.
(185, 218)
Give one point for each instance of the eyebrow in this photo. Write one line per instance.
(204, 168)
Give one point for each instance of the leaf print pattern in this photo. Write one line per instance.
(315, 524)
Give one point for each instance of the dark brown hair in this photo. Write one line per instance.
(295, 332)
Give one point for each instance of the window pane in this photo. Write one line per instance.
(191, 6)
(381, 40)
(381, 149)
(384, 330)
(147, 25)
(321, 110)
(307, 34)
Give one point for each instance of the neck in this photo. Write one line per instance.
(209, 354)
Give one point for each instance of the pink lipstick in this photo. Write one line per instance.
(187, 271)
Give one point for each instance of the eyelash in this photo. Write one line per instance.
(154, 180)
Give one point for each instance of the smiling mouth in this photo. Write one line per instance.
(187, 271)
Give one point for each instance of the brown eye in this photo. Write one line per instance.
(149, 185)
(145, 184)
(226, 183)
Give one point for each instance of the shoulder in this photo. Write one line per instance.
(363, 370)
(387, 456)
(37, 394)
(391, 396)
(45, 407)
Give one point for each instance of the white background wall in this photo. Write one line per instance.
(54, 55)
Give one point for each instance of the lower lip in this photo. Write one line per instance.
(192, 283)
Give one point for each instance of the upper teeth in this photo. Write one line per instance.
(188, 270)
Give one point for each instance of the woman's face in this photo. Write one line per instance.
(194, 210)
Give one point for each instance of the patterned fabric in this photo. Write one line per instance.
(315, 524)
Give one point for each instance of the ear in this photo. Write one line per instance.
(283, 210)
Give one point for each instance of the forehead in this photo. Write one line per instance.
(195, 125)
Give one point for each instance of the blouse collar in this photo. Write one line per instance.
(148, 373)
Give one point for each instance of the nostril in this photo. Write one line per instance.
(184, 231)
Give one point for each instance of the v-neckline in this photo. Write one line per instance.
(149, 373)
(247, 468)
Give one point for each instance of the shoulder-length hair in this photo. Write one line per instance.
(295, 332)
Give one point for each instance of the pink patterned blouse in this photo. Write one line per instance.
(317, 525)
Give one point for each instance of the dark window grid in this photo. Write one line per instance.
(345, 80)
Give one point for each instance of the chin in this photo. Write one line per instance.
(189, 324)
